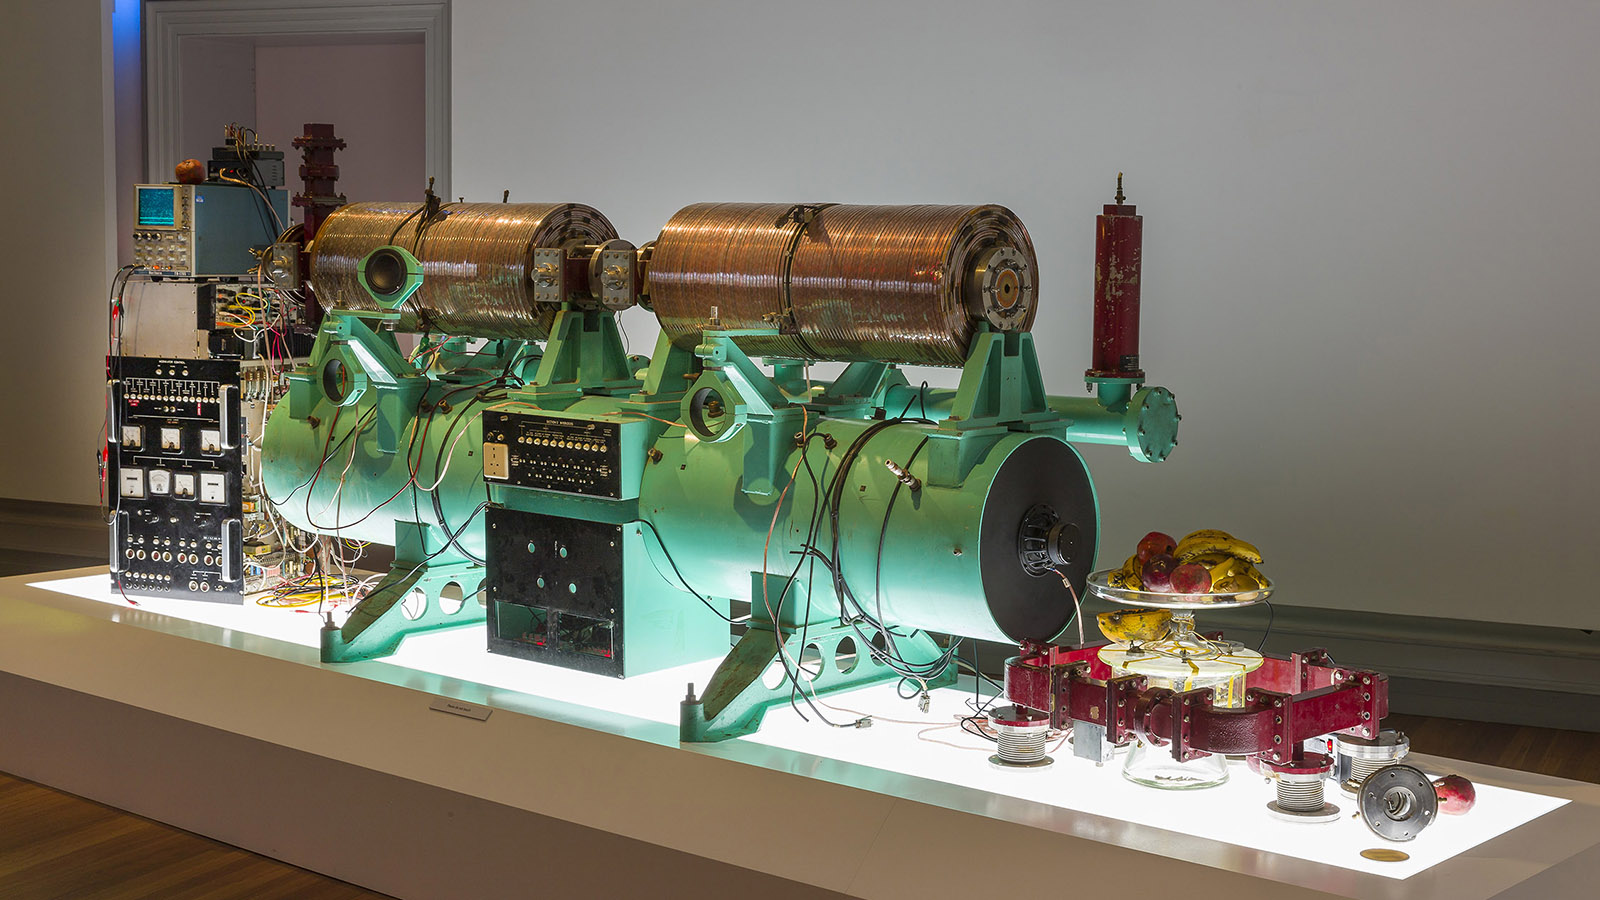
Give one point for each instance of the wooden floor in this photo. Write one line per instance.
(1548, 751)
(55, 846)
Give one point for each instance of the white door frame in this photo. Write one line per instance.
(169, 22)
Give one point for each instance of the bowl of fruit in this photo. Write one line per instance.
(1206, 568)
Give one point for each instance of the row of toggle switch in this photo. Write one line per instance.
(163, 389)
(167, 542)
(589, 446)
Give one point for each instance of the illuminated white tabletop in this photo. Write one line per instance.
(906, 754)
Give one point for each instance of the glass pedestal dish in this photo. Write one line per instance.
(1181, 660)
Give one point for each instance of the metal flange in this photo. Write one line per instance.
(1397, 802)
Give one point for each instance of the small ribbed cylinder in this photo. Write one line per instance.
(1300, 791)
(1020, 745)
(1360, 757)
(1361, 768)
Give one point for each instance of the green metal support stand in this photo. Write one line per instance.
(826, 654)
(411, 599)
(584, 355)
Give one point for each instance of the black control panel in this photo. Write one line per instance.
(555, 590)
(553, 453)
(174, 467)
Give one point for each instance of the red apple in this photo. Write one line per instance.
(1157, 574)
(1191, 578)
(1456, 795)
(1154, 544)
(190, 171)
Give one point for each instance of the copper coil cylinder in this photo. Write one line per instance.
(901, 284)
(476, 259)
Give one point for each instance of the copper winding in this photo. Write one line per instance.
(730, 256)
(476, 260)
(903, 284)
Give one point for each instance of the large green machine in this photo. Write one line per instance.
(617, 515)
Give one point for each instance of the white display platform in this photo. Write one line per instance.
(867, 812)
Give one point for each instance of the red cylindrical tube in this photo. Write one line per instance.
(1119, 237)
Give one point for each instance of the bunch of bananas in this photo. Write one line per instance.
(1162, 564)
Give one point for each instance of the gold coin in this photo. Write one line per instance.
(1384, 854)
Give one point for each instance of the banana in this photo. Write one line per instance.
(1225, 568)
(1255, 575)
(1234, 584)
(1123, 579)
(1246, 578)
(1192, 547)
(1129, 625)
(1133, 573)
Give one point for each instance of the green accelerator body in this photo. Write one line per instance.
(932, 550)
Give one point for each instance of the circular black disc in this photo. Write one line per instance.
(1046, 471)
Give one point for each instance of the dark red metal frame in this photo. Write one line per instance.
(1287, 701)
(320, 176)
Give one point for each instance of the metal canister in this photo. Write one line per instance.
(1359, 757)
(1118, 245)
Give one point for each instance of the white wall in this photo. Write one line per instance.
(1370, 234)
(217, 86)
(373, 95)
(55, 60)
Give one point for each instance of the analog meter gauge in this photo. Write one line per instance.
(213, 488)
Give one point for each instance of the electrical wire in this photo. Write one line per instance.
(815, 521)
(449, 458)
(921, 399)
(647, 416)
(259, 193)
(778, 637)
(888, 653)
(883, 532)
(1077, 607)
(684, 581)
(1271, 614)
